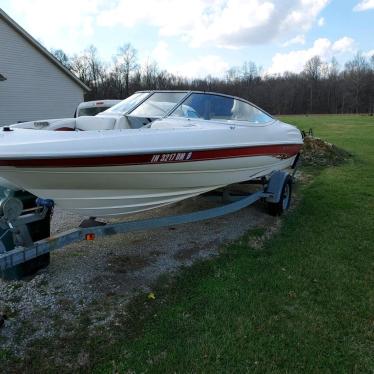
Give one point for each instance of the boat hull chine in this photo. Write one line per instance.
(119, 190)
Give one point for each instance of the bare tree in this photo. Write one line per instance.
(313, 68)
(320, 88)
(356, 72)
(126, 62)
(332, 83)
(62, 57)
(150, 71)
(313, 71)
(89, 69)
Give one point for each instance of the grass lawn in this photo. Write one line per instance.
(305, 302)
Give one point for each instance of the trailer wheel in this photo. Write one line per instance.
(276, 209)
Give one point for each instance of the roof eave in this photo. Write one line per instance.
(41, 49)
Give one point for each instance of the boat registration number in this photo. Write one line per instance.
(171, 157)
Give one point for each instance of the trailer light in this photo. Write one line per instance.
(90, 236)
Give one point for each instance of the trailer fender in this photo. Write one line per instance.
(275, 186)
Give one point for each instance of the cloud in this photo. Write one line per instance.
(369, 54)
(226, 23)
(161, 52)
(343, 45)
(69, 22)
(202, 67)
(198, 23)
(321, 22)
(295, 60)
(299, 39)
(364, 5)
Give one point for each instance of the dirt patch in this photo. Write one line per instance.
(317, 152)
(193, 249)
(123, 264)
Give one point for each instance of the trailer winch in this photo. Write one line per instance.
(22, 223)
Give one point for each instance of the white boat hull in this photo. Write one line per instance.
(116, 184)
(108, 191)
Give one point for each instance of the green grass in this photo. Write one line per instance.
(305, 302)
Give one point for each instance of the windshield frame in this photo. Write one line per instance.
(166, 114)
(223, 95)
(131, 108)
(188, 93)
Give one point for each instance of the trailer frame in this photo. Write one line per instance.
(26, 250)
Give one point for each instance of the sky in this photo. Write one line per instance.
(195, 38)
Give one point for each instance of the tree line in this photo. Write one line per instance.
(320, 88)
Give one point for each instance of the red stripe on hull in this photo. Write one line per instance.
(279, 151)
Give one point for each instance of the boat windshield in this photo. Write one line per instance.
(158, 104)
(125, 105)
(217, 107)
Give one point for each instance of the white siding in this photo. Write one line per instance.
(35, 87)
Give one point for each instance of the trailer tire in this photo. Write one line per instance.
(277, 209)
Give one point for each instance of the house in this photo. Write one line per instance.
(33, 83)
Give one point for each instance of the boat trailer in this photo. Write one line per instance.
(19, 247)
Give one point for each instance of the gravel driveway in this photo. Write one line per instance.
(84, 275)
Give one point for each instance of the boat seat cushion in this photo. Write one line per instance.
(88, 123)
(122, 123)
(62, 125)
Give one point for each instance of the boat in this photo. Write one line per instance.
(91, 108)
(150, 150)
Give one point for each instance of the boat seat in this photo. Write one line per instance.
(122, 123)
(88, 123)
(62, 125)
